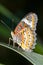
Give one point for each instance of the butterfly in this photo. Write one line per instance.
(24, 34)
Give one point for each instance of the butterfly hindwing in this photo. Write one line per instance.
(25, 32)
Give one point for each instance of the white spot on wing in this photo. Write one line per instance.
(27, 22)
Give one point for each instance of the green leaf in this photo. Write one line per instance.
(1, 64)
(33, 57)
(7, 13)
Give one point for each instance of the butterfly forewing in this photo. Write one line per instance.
(25, 32)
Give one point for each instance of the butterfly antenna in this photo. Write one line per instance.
(5, 25)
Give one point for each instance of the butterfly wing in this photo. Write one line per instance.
(31, 20)
(25, 32)
(28, 39)
(25, 38)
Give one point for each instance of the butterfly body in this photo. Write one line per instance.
(24, 34)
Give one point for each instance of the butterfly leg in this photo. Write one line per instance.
(18, 47)
(10, 40)
(13, 44)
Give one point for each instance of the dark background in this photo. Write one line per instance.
(19, 8)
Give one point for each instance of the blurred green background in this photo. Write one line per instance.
(15, 10)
